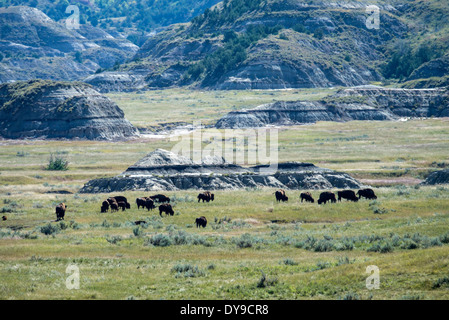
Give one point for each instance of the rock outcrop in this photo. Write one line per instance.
(359, 103)
(163, 170)
(60, 110)
(437, 178)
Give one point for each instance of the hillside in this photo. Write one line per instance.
(32, 45)
(129, 17)
(60, 110)
(360, 103)
(278, 44)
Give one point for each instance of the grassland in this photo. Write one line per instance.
(306, 251)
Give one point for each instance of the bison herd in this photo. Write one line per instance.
(328, 196)
(114, 204)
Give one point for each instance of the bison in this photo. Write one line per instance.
(122, 199)
(201, 222)
(348, 195)
(60, 211)
(122, 205)
(167, 208)
(307, 196)
(280, 196)
(367, 193)
(206, 196)
(4, 218)
(114, 206)
(160, 198)
(141, 202)
(105, 206)
(327, 196)
(149, 204)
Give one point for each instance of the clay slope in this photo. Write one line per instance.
(55, 110)
(360, 103)
(163, 170)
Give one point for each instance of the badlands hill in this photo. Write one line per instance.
(60, 110)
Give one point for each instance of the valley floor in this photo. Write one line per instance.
(252, 247)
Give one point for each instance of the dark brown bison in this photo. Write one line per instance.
(280, 196)
(149, 204)
(114, 206)
(122, 205)
(4, 218)
(140, 222)
(141, 202)
(122, 199)
(201, 222)
(206, 196)
(105, 207)
(167, 208)
(367, 193)
(160, 198)
(327, 196)
(60, 211)
(307, 196)
(348, 195)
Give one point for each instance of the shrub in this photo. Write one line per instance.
(351, 296)
(114, 239)
(57, 163)
(49, 229)
(441, 282)
(266, 282)
(289, 262)
(137, 231)
(187, 271)
(160, 240)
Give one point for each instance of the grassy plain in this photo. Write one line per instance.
(304, 250)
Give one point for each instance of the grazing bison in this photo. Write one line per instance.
(4, 218)
(149, 204)
(105, 207)
(367, 193)
(122, 199)
(280, 196)
(327, 196)
(114, 206)
(206, 196)
(140, 222)
(348, 195)
(167, 208)
(307, 196)
(122, 205)
(201, 222)
(160, 198)
(60, 211)
(141, 202)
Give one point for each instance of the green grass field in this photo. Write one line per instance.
(304, 250)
